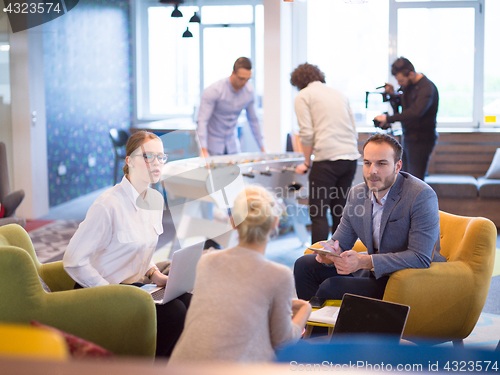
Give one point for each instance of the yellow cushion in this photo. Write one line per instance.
(19, 340)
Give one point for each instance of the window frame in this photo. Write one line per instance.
(140, 65)
(479, 36)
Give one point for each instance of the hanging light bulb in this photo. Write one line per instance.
(187, 33)
(176, 12)
(195, 18)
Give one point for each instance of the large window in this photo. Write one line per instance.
(445, 41)
(453, 42)
(491, 64)
(349, 43)
(174, 62)
(172, 70)
(440, 43)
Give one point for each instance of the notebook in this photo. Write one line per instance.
(180, 277)
(363, 315)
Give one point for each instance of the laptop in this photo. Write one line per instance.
(363, 315)
(181, 276)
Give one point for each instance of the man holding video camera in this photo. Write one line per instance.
(419, 102)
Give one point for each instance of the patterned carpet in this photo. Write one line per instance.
(51, 239)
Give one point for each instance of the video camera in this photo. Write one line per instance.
(394, 100)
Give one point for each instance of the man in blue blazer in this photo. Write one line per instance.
(394, 214)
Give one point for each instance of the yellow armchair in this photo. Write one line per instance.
(120, 318)
(446, 299)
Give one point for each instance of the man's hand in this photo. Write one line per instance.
(389, 89)
(350, 261)
(382, 119)
(262, 149)
(204, 153)
(328, 259)
(301, 169)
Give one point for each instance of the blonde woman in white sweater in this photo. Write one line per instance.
(242, 307)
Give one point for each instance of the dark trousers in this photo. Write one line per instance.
(170, 319)
(416, 155)
(315, 279)
(329, 184)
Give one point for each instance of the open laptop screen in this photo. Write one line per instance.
(363, 315)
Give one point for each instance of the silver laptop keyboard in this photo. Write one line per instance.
(158, 295)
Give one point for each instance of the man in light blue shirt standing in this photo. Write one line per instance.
(220, 107)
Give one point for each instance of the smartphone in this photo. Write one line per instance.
(317, 302)
(324, 251)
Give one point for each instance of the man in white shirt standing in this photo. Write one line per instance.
(328, 131)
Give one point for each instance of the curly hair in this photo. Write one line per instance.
(304, 74)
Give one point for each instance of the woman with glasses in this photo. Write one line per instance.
(116, 241)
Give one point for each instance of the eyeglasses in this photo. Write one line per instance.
(150, 158)
(243, 79)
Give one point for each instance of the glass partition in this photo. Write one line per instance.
(349, 43)
(227, 14)
(218, 62)
(440, 43)
(491, 63)
(174, 62)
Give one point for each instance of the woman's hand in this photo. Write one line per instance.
(297, 304)
(300, 311)
(159, 279)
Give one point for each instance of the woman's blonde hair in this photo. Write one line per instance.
(135, 141)
(256, 210)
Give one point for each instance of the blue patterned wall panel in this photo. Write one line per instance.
(87, 60)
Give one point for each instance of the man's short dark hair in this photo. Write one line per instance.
(242, 63)
(384, 138)
(304, 74)
(402, 65)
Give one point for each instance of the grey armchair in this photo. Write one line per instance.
(10, 201)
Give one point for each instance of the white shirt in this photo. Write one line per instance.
(326, 123)
(116, 241)
(377, 210)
